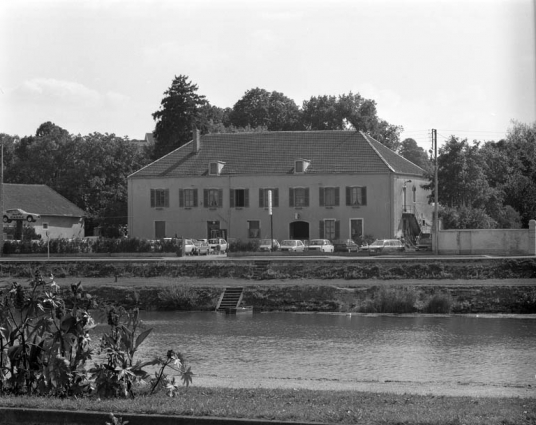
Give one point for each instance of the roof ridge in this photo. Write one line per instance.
(366, 136)
(159, 159)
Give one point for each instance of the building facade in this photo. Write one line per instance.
(322, 184)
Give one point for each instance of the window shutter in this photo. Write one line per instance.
(246, 198)
(321, 229)
(220, 198)
(195, 197)
(348, 196)
(261, 198)
(321, 196)
(337, 196)
(364, 195)
(205, 198)
(275, 197)
(307, 197)
(166, 198)
(337, 229)
(231, 198)
(291, 197)
(181, 198)
(153, 200)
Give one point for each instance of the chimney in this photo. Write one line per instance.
(196, 140)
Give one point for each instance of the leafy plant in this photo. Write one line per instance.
(45, 344)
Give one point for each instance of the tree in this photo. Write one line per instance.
(260, 108)
(349, 112)
(410, 150)
(520, 184)
(179, 112)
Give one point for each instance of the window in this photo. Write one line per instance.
(414, 194)
(214, 168)
(299, 197)
(212, 198)
(329, 196)
(239, 198)
(254, 229)
(300, 166)
(263, 198)
(187, 198)
(45, 226)
(356, 196)
(329, 229)
(159, 198)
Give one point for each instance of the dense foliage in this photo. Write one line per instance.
(46, 349)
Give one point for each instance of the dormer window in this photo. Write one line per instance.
(215, 168)
(300, 166)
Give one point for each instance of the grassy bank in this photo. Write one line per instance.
(348, 407)
(507, 296)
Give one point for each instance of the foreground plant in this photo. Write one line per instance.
(45, 345)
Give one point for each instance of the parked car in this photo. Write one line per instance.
(218, 245)
(321, 245)
(201, 247)
(18, 214)
(345, 245)
(189, 247)
(269, 245)
(425, 242)
(292, 245)
(383, 246)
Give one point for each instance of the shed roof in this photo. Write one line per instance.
(275, 153)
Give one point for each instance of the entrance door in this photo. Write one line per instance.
(356, 229)
(159, 229)
(299, 230)
(213, 229)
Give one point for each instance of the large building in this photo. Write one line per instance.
(323, 184)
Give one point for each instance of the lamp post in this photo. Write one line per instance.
(271, 220)
(436, 204)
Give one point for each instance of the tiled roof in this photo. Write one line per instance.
(39, 199)
(269, 153)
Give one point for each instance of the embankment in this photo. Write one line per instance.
(323, 285)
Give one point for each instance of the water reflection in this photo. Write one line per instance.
(349, 348)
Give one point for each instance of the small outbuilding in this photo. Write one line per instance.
(56, 216)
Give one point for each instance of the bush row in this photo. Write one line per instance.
(349, 270)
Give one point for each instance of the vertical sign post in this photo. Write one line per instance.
(271, 220)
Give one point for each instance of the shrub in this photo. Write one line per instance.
(237, 245)
(391, 300)
(438, 304)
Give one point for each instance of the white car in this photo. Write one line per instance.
(18, 214)
(268, 245)
(189, 247)
(321, 245)
(292, 245)
(218, 245)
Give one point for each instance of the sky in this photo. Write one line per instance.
(464, 68)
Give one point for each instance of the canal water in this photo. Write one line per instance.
(488, 350)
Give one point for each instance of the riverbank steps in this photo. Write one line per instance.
(375, 285)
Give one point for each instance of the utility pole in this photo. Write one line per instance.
(436, 202)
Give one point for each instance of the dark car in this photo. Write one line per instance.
(425, 242)
(385, 246)
(201, 247)
(345, 245)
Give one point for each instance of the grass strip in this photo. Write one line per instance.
(301, 405)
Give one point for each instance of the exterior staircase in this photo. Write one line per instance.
(230, 299)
